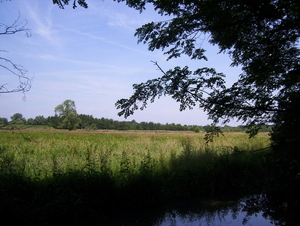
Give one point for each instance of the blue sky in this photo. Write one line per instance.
(92, 57)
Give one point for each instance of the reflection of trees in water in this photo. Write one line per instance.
(175, 218)
(253, 205)
(207, 212)
(211, 212)
(271, 208)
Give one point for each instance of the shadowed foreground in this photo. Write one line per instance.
(139, 191)
(87, 195)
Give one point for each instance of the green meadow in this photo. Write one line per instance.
(57, 172)
(41, 154)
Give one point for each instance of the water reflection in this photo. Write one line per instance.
(219, 218)
(246, 211)
(254, 210)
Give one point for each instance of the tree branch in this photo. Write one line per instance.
(11, 67)
(17, 26)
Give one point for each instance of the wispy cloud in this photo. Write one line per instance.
(122, 20)
(117, 15)
(89, 66)
(90, 35)
(43, 23)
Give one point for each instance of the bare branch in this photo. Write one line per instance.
(159, 68)
(17, 26)
(15, 69)
(20, 73)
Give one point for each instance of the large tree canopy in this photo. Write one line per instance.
(261, 36)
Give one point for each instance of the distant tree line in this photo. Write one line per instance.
(88, 122)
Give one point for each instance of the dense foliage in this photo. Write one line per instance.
(260, 36)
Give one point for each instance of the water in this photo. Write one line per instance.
(230, 219)
(247, 211)
(253, 210)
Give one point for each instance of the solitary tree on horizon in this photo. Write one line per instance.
(68, 115)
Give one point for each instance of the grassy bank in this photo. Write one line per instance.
(52, 174)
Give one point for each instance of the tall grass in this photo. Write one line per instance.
(52, 152)
(59, 173)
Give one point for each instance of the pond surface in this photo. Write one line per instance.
(252, 210)
(217, 219)
(246, 211)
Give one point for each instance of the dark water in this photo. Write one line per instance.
(231, 218)
(253, 210)
(247, 211)
(227, 220)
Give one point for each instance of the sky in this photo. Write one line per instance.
(91, 56)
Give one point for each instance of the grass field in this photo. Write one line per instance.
(45, 152)
(61, 172)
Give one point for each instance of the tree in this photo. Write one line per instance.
(39, 120)
(91, 127)
(3, 121)
(13, 68)
(67, 114)
(30, 121)
(197, 129)
(17, 118)
(53, 121)
(261, 36)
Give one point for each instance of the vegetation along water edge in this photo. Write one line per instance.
(55, 174)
